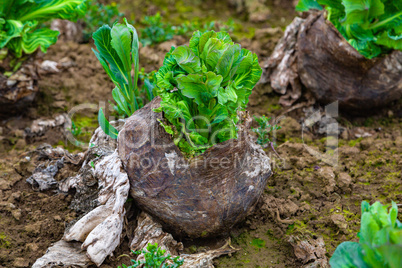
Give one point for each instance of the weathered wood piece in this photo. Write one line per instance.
(150, 231)
(63, 254)
(196, 197)
(101, 229)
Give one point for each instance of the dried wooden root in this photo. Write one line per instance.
(149, 231)
(101, 229)
(204, 259)
(63, 254)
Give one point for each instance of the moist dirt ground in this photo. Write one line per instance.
(306, 199)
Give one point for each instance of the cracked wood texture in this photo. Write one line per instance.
(333, 70)
(197, 197)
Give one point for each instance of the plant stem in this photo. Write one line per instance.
(381, 23)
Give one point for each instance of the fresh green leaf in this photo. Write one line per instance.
(187, 60)
(305, 5)
(348, 255)
(106, 126)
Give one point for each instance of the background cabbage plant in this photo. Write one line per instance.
(21, 22)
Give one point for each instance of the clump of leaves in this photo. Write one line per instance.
(202, 87)
(155, 258)
(372, 27)
(21, 23)
(264, 129)
(380, 240)
(118, 53)
(99, 14)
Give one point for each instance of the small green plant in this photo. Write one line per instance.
(75, 130)
(380, 240)
(22, 28)
(118, 53)
(155, 258)
(264, 129)
(99, 14)
(372, 27)
(157, 31)
(202, 87)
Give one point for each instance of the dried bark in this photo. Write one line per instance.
(18, 90)
(281, 67)
(331, 69)
(202, 196)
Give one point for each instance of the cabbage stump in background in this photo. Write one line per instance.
(203, 196)
(315, 55)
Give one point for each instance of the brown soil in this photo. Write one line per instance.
(305, 196)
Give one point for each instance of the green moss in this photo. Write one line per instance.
(4, 243)
(258, 243)
(353, 143)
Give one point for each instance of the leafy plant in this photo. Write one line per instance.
(99, 14)
(118, 52)
(380, 240)
(372, 27)
(156, 31)
(154, 258)
(21, 22)
(202, 87)
(264, 129)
